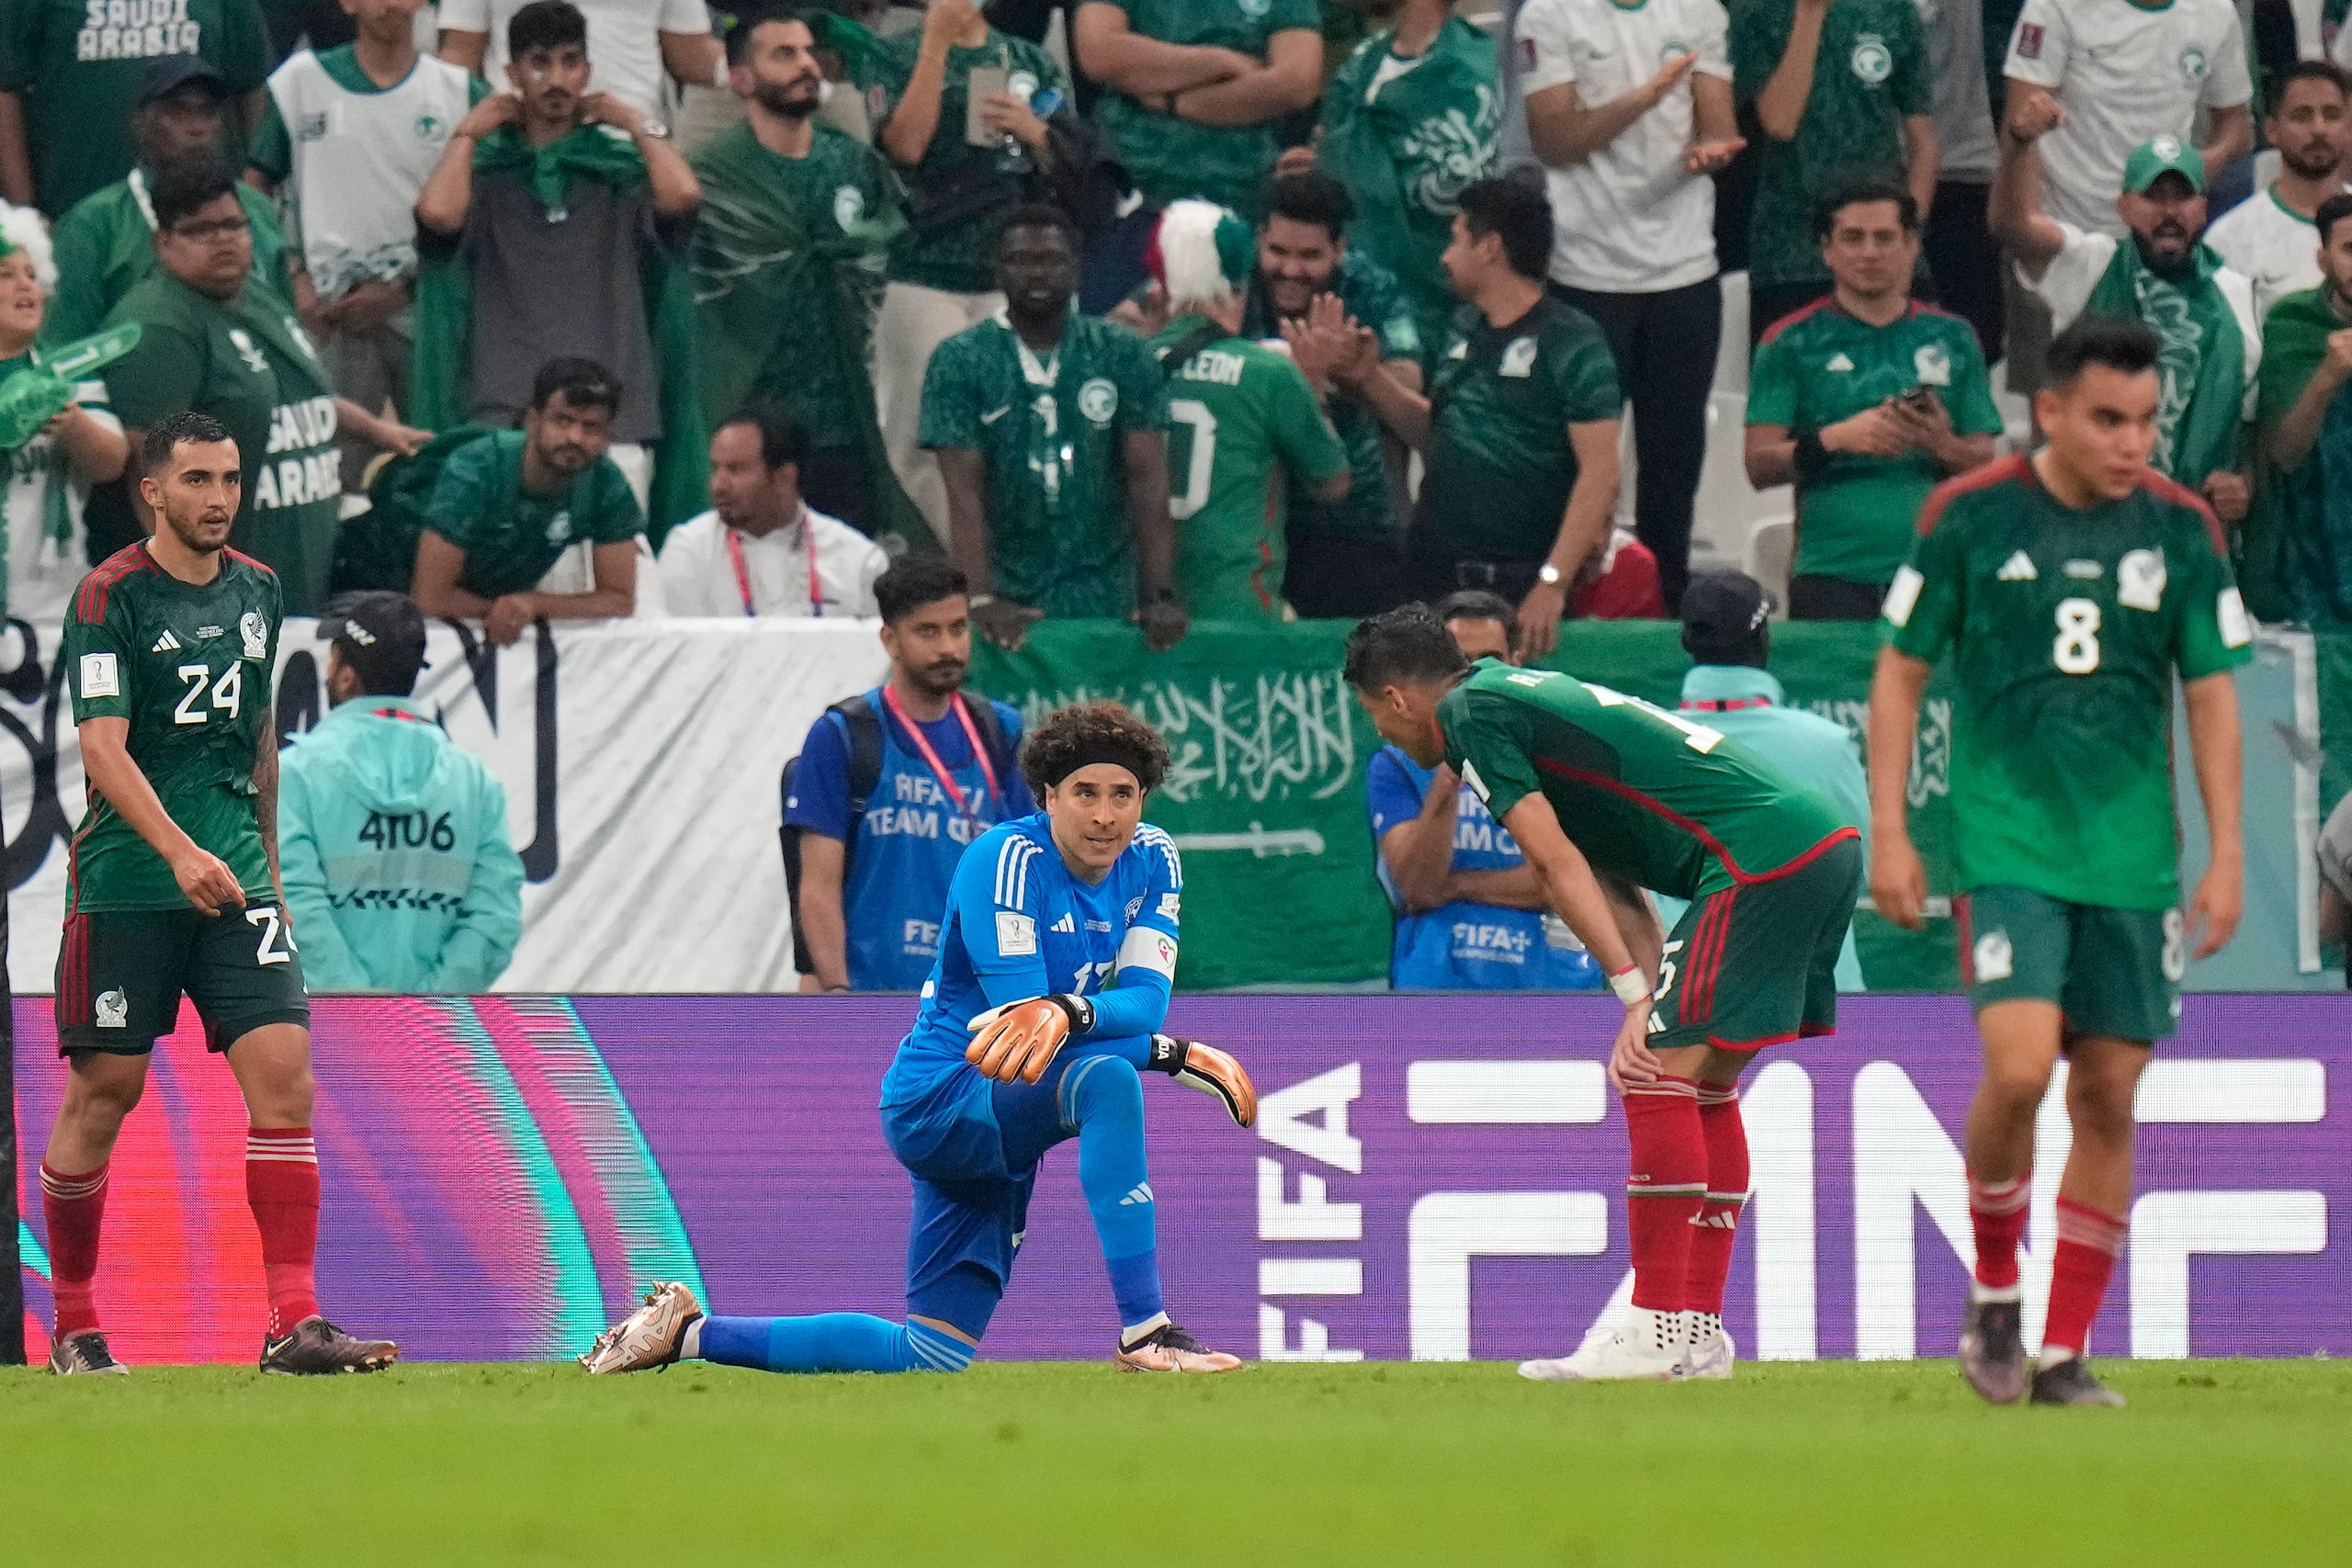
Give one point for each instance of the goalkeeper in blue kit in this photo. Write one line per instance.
(1056, 961)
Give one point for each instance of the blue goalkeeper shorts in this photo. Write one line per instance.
(971, 1146)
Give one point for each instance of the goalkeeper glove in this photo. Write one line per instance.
(1197, 1065)
(1018, 1039)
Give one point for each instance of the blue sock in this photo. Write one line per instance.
(1105, 1098)
(832, 1342)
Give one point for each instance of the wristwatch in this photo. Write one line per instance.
(1548, 575)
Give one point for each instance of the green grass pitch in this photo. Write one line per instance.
(2214, 1463)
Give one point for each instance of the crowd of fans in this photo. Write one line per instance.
(1171, 312)
(608, 280)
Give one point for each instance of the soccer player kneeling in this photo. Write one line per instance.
(1606, 795)
(2067, 588)
(1056, 961)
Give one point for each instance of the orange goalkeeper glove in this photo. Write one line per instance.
(1017, 1041)
(1197, 1065)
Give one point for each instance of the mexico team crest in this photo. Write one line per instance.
(254, 631)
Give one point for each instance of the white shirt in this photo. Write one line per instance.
(37, 492)
(2124, 75)
(2067, 283)
(1965, 149)
(624, 41)
(2276, 248)
(359, 159)
(1629, 219)
(699, 568)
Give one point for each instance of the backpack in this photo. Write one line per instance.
(377, 549)
(864, 722)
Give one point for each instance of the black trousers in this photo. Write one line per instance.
(1665, 344)
(1433, 571)
(1335, 579)
(1966, 262)
(833, 481)
(1814, 597)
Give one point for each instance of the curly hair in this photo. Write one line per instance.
(1086, 733)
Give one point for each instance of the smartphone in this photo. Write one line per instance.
(984, 80)
(1921, 398)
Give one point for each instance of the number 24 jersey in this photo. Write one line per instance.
(2064, 627)
(190, 668)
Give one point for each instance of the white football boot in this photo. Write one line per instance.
(1648, 1346)
(648, 1338)
(1707, 1348)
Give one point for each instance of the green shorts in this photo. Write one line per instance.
(2113, 972)
(1756, 965)
(121, 975)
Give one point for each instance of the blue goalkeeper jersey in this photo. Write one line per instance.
(1019, 925)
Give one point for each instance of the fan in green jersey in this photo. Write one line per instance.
(1606, 795)
(1241, 416)
(2067, 588)
(173, 891)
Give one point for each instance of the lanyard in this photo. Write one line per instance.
(744, 575)
(939, 768)
(1729, 705)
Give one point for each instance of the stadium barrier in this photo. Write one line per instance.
(641, 759)
(1434, 1178)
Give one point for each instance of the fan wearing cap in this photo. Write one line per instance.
(1243, 414)
(1726, 630)
(391, 839)
(186, 123)
(1057, 954)
(45, 470)
(74, 73)
(2161, 274)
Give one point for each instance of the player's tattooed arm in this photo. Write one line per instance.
(1898, 881)
(2215, 747)
(1574, 888)
(107, 763)
(1637, 922)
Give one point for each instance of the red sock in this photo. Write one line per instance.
(2088, 1243)
(74, 1207)
(1669, 1184)
(282, 1186)
(1998, 1209)
(1717, 1223)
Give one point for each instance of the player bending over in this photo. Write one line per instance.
(1606, 795)
(173, 888)
(1054, 963)
(2067, 588)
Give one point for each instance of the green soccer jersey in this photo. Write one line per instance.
(106, 247)
(1169, 157)
(248, 363)
(1408, 134)
(1646, 794)
(2064, 627)
(1821, 365)
(82, 65)
(511, 537)
(957, 189)
(1502, 399)
(1870, 75)
(189, 667)
(1050, 429)
(1370, 509)
(1240, 417)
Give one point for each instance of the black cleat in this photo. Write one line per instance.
(1992, 1351)
(2070, 1382)
(317, 1347)
(84, 1352)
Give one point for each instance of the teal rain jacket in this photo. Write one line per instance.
(392, 842)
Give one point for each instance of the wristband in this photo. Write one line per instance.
(1812, 456)
(1079, 1011)
(1631, 985)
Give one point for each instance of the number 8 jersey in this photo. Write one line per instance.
(2064, 627)
(190, 668)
